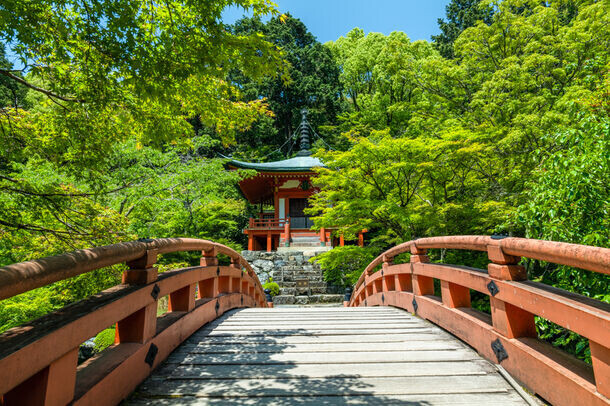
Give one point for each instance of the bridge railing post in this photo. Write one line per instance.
(140, 326)
(182, 300)
(600, 358)
(454, 295)
(509, 320)
(208, 288)
(54, 385)
(208, 258)
(142, 271)
(387, 281)
(422, 285)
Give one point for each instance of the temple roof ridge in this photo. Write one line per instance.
(297, 164)
(302, 162)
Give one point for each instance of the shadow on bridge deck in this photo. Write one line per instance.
(324, 356)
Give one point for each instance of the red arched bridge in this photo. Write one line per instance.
(395, 342)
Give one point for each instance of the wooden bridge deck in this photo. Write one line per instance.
(325, 355)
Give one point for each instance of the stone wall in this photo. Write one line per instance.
(285, 268)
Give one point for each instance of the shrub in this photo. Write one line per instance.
(342, 266)
(104, 339)
(273, 287)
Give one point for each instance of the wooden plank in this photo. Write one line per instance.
(316, 326)
(241, 348)
(327, 338)
(234, 320)
(325, 357)
(297, 332)
(496, 399)
(353, 370)
(327, 386)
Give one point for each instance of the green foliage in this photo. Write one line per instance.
(342, 266)
(461, 14)
(570, 201)
(311, 81)
(104, 339)
(379, 76)
(92, 114)
(27, 306)
(494, 140)
(407, 187)
(570, 197)
(12, 93)
(273, 287)
(101, 148)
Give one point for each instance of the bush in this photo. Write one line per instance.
(104, 339)
(273, 287)
(342, 266)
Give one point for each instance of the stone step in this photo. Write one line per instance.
(291, 299)
(302, 291)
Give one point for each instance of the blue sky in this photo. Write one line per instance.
(331, 19)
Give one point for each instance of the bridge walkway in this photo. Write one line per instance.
(324, 355)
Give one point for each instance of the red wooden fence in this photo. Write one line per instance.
(268, 223)
(38, 361)
(509, 335)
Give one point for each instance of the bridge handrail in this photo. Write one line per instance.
(25, 276)
(508, 335)
(586, 257)
(38, 360)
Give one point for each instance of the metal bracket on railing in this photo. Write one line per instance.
(155, 291)
(499, 350)
(493, 288)
(151, 354)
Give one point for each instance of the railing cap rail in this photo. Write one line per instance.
(25, 276)
(586, 257)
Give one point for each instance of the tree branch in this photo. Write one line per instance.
(50, 94)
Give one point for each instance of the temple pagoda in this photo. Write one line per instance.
(280, 189)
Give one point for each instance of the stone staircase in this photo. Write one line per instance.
(300, 281)
(305, 243)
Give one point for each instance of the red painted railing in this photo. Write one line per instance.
(268, 223)
(38, 361)
(509, 335)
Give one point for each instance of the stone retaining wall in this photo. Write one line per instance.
(285, 268)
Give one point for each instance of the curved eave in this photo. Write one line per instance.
(298, 164)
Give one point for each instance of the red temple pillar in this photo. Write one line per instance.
(287, 232)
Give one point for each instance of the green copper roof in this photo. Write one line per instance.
(296, 164)
(303, 162)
